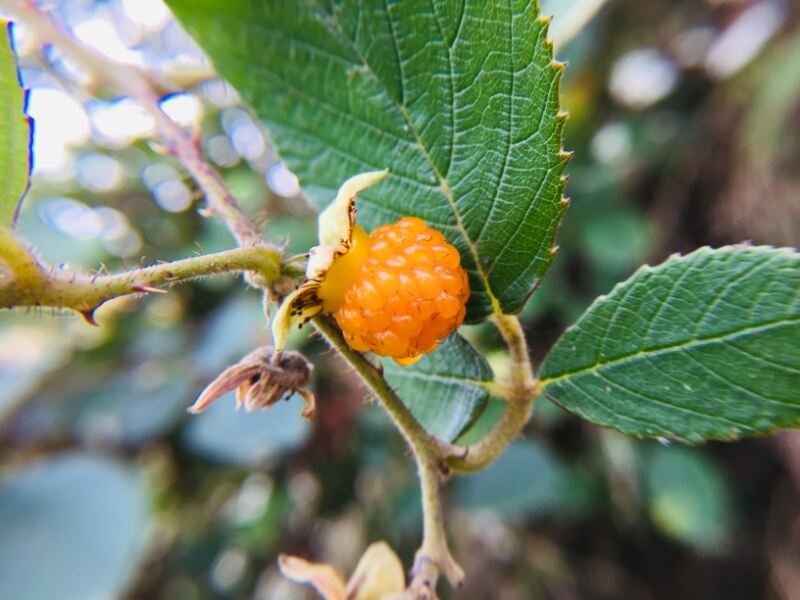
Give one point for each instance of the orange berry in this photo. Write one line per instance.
(406, 294)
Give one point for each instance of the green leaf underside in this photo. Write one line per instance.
(705, 346)
(443, 389)
(15, 134)
(459, 100)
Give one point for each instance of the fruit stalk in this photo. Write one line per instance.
(521, 393)
(434, 555)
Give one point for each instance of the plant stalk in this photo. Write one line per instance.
(136, 84)
(522, 392)
(434, 554)
(24, 281)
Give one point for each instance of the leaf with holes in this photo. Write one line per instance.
(15, 135)
(459, 100)
(704, 346)
(447, 389)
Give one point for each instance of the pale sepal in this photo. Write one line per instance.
(378, 576)
(323, 578)
(336, 224)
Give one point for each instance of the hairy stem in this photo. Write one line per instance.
(26, 282)
(521, 394)
(138, 85)
(434, 555)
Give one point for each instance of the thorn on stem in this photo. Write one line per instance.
(148, 289)
(375, 363)
(88, 316)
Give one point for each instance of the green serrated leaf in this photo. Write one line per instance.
(458, 100)
(704, 346)
(15, 135)
(444, 389)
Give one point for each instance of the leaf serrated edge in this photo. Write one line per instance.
(561, 118)
(674, 258)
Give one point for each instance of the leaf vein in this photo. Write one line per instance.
(509, 128)
(670, 405)
(443, 183)
(676, 347)
(738, 386)
(451, 82)
(401, 76)
(665, 301)
(762, 359)
(755, 268)
(636, 421)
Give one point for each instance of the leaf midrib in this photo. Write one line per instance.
(444, 185)
(446, 379)
(684, 345)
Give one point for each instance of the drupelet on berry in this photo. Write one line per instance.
(399, 292)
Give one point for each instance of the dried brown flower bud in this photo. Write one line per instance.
(261, 379)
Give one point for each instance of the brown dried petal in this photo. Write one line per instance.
(261, 379)
(378, 576)
(324, 578)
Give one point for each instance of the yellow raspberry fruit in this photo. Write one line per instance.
(399, 292)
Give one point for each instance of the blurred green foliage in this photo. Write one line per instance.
(109, 489)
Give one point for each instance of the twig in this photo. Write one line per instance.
(135, 83)
(434, 456)
(26, 282)
(522, 393)
(434, 555)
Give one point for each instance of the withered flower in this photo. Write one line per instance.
(378, 576)
(337, 225)
(261, 379)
